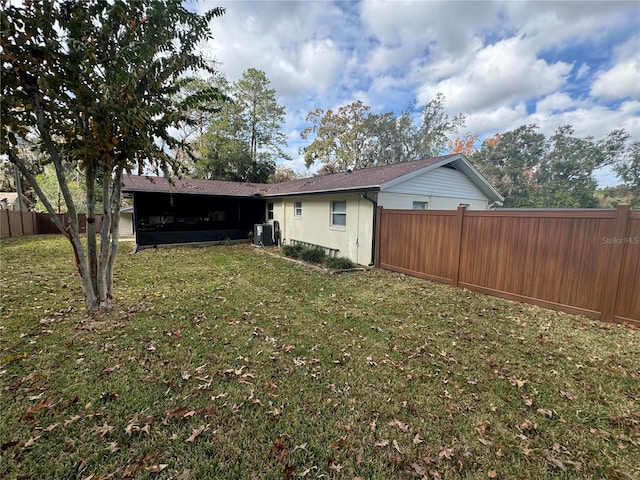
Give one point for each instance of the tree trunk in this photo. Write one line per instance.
(103, 260)
(115, 230)
(91, 224)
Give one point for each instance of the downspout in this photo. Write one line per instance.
(373, 233)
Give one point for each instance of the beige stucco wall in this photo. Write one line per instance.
(314, 225)
(405, 202)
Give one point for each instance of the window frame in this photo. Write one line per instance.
(297, 209)
(424, 204)
(343, 214)
(270, 211)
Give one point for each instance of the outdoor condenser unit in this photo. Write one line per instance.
(263, 234)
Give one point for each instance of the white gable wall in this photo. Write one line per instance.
(443, 188)
(352, 241)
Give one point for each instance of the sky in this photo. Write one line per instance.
(501, 64)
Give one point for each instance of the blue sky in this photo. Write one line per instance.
(501, 64)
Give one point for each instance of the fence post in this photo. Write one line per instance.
(377, 233)
(614, 262)
(8, 222)
(457, 245)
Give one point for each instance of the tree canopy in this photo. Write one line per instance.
(243, 137)
(95, 84)
(352, 137)
(531, 170)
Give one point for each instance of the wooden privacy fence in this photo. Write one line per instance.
(579, 261)
(19, 224)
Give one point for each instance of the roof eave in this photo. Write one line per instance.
(367, 188)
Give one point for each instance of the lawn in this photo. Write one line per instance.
(228, 362)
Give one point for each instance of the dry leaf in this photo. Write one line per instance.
(417, 439)
(102, 431)
(399, 425)
(567, 395)
(382, 443)
(492, 474)
(445, 453)
(31, 442)
(197, 431)
(113, 447)
(545, 411)
(397, 447)
(157, 468)
(556, 462)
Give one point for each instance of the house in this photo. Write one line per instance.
(336, 211)
(8, 201)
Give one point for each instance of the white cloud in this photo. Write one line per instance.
(556, 102)
(622, 80)
(503, 73)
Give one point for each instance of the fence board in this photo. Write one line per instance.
(17, 224)
(628, 300)
(559, 259)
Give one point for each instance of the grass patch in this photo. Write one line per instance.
(222, 363)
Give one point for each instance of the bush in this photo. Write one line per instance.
(339, 263)
(293, 251)
(313, 255)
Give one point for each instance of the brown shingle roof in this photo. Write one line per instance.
(137, 183)
(356, 180)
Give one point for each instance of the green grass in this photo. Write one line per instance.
(226, 362)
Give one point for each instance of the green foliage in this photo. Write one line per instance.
(530, 170)
(355, 138)
(228, 377)
(243, 138)
(339, 263)
(293, 251)
(316, 255)
(313, 255)
(96, 86)
(628, 171)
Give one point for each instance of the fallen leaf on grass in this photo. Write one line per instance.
(31, 442)
(492, 474)
(600, 433)
(51, 427)
(567, 395)
(397, 447)
(556, 462)
(102, 431)
(417, 439)
(113, 447)
(517, 382)
(546, 412)
(399, 425)
(196, 432)
(382, 443)
(157, 468)
(445, 453)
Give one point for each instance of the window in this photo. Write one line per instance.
(297, 209)
(269, 210)
(465, 205)
(421, 205)
(339, 213)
